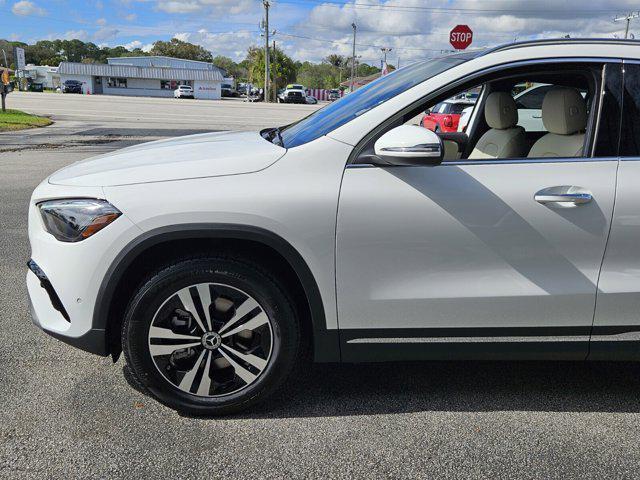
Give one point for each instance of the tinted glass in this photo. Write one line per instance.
(437, 108)
(630, 134)
(608, 135)
(533, 99)
(364, 99)
(457, 108)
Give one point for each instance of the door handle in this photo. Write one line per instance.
(563, 196)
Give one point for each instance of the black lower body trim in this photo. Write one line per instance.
(512, 343)
(94, 341)
(46, 284)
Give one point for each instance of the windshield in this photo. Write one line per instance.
(364, 99)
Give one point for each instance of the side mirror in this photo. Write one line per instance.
(409, 145)
(427, 111)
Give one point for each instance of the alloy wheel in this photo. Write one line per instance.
(210, 339)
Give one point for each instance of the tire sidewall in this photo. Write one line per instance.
(160, 287)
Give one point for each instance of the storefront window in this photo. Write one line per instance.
(173, 84)
(115, 82)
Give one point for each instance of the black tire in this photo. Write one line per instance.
(286, 345)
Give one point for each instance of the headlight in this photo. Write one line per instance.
(73, 220)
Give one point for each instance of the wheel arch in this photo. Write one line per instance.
(130, 264)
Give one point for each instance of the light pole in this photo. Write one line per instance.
(353, 57)
(630, 16)
(386, 50)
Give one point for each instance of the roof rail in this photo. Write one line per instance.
(561, 41)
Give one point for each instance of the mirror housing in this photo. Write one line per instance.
(409, 145)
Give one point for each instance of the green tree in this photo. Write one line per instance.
(364, 69)
(283, 68)
(236, 70)
(179, 49)
(318, 75)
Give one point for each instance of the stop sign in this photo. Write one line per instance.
(461, 37)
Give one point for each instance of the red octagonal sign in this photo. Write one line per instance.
(461, 37)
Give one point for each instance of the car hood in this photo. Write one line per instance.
(194, 156)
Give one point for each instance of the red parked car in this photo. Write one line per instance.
(444, 116)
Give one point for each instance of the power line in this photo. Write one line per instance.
(405, 32)
(340, 42)
(446, 10)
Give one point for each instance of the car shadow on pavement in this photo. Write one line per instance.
(365, 389)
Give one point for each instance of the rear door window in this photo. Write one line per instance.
(630, 134)
(532, 98)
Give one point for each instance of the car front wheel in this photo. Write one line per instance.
(211, 336)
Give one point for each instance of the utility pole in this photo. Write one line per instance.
(353, 57)
(628, 17)
(266, 49)
(275, 72)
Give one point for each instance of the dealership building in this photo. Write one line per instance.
(145, 77)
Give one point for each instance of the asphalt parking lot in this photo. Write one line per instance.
(67, 414)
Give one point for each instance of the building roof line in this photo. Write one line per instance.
(132, 71)
(159, 56)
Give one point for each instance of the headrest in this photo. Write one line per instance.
(500, 111)
(564, 111)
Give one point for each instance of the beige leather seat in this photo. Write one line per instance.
(564, 115)
(505, 139)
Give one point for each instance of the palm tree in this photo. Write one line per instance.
(335, 60)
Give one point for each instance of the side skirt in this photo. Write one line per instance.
(615, 343)
(544, 343)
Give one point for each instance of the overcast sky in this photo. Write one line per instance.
(309, 30)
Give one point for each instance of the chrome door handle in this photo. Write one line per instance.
(564, 196)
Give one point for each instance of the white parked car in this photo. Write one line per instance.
(293, 93)
(465, 116)
(183, 91)
(219, 262)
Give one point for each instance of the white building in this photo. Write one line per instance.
(145, 76)
(43, 74)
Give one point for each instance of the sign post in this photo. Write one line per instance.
(19, 57)
(461, 37)
(4, 81)
(4, 86)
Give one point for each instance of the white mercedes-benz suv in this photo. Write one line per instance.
(218, 263)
